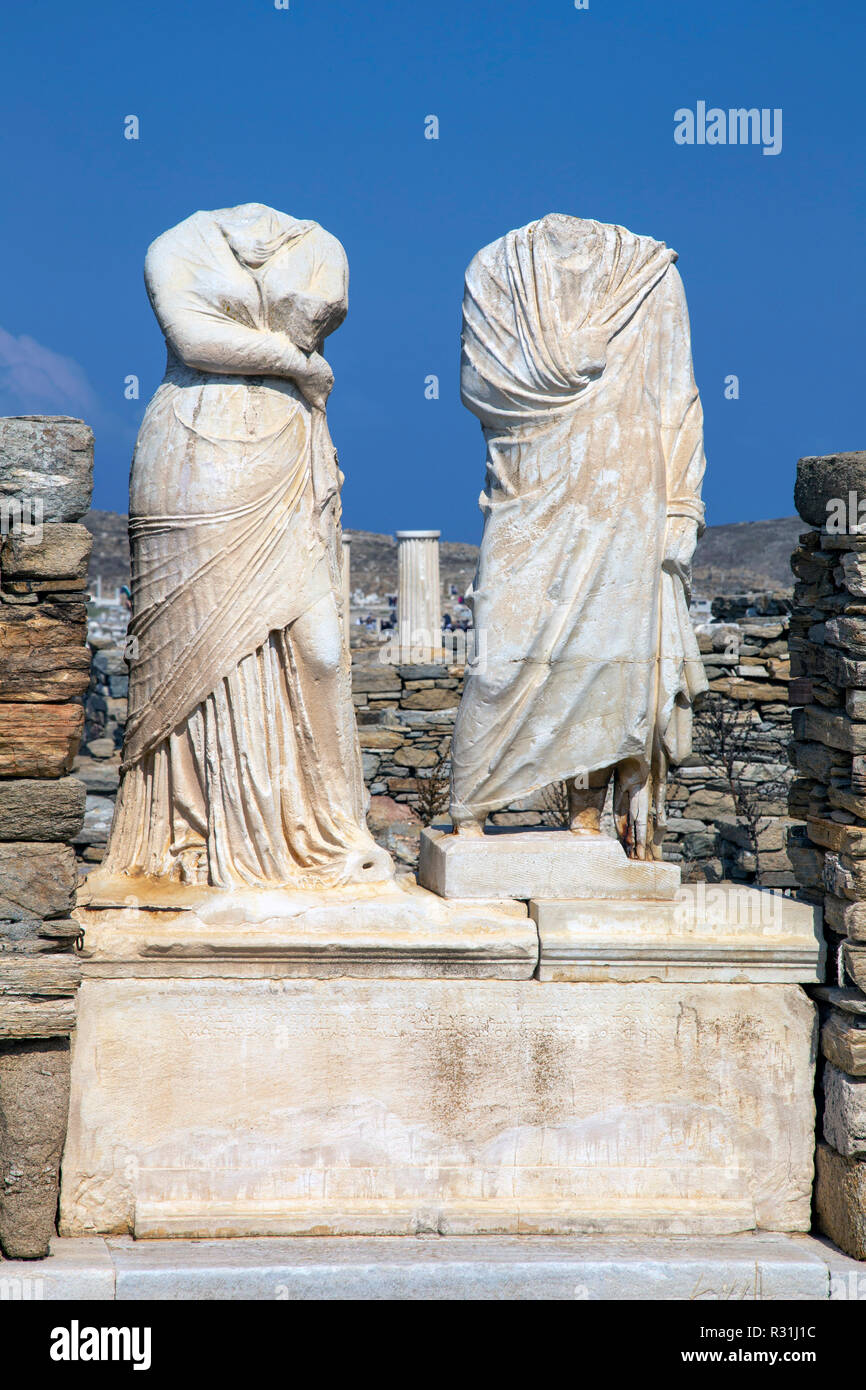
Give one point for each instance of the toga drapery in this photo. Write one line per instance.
(576, 359)
(241, 763)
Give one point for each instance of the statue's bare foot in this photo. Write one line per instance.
(586, 822)
(632, 809)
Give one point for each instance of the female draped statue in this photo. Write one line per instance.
(577, 361)
(241, 764)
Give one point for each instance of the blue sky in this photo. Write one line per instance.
(320, 111)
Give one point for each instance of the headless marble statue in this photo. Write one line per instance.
(241, 764)
(577, 361)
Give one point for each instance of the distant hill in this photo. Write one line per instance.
(745, 556)
(742, 556)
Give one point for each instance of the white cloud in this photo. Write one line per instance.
(33, 380)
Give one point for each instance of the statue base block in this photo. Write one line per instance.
(386, 930)
(538, 863)
(720, 932)
(224, 1087)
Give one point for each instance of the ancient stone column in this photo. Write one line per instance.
(419, 609)
(346, 574)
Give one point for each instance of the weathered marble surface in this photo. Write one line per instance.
(398, 931)
(538, 863)
(263, 1106)
(419, 600)
(241, 763)
(577, 361)
(719, 932)
(761, 1266)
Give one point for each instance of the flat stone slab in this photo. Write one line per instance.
(388, 931)
(720, 932)
(748, 1267)
(538, 863)
(260, 1106)
(76, 1269)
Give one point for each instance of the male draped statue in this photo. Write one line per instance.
(241, 764)
(577, 361)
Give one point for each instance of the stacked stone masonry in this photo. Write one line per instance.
(46, 474)
(828, 692)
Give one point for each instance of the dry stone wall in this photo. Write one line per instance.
(828, 690)
(46, 475)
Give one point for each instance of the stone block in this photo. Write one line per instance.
(538, 863)
(430, 699)
(488, 1268)
(855, 964)
(37, 809)
(837, 730)
(821, 481)
(840, 1200)
(398, 930)
(62, 552)
(378, 679)
(844, 1112)
(37, 629)
(423, 672)
(48, 458)
(843, 1042)
(34, 1100)
(37, 977)
(453, 1106)
(24, 1018)
(841, 839)
(409, 755)
(49, 674)
(377, 739)
(855, 704)
(720, 932)
(849, 632)
(36, 880)
(707, 803)
(39, 740)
